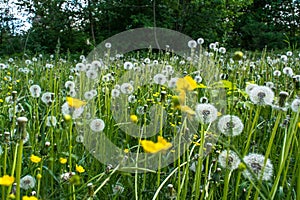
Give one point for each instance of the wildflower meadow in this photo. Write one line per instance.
(214, 124)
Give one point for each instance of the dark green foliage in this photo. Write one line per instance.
(77, 27)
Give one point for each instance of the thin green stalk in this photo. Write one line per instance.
(288, 136)
(19, 169)
(166, 180)
(227, 173)
(269, 148)
(252, 130)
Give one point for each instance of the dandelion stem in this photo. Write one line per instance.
(252, 130)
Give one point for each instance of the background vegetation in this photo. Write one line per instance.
(71, 25)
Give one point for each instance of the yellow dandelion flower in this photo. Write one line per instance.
(1, 101)
(156, 94)
(35, 159)
(29, 198)
(80, 169)
(126, 150)
(134, 118)
(75, 103)
(160, 145)
(63, 160)
(7, 180)
(186, 83)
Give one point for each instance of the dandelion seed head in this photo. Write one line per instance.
(47, 97)
(107, 45)
(27, 182)
(79, 138)
(115, 93)
(131, 99)
(295, 105)
(296, 78)
(222, 50)
(70, 85)
(283, 58)
(80, 67)
(206, 113)
(277, 73)
(200, 41)
(92, 74)
(192, 44)
(97, 125)
(288, 71)
(172, 83)
(147, 60)
(261, 95)
(212, 45)
(270, 84)
(256, 163)
(127, 88)
(230, 125)
(96, 64)
(35, 91)
(72, 93)
(160, 79)
(229, 160)
(289, 53)
(198, 79)
(128, 65)
(88, 95)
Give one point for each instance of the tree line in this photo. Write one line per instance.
(78, 25)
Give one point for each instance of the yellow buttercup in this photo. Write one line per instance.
(75, 103)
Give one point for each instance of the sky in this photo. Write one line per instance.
(22, 17)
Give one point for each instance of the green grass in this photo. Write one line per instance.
(268, 130)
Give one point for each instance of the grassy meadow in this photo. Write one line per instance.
(225, 126)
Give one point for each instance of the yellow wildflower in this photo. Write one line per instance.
(35, 159)
(126, 150)
(151, 147)
(7, 180)
(29, 198)
(63, 160)
(134, 118)
(80, 169)
(75, 103)
(186, 83)
(1, 100)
